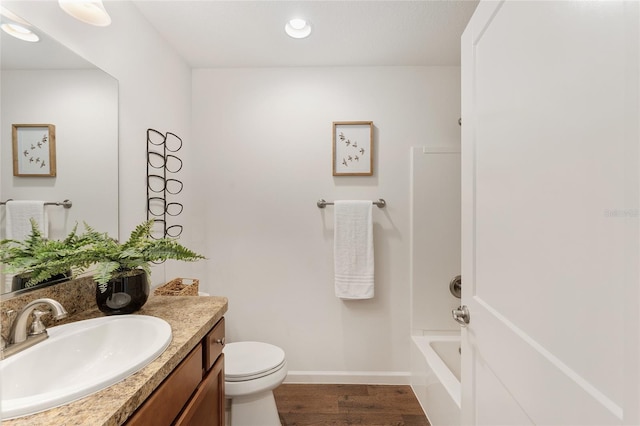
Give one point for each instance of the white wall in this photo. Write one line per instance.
(264, 143)
(435, 237)
(155, 91)
(83, 105)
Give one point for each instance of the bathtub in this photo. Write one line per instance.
(435, 377)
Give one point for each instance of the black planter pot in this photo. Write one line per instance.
(19, 282)
(125, 294)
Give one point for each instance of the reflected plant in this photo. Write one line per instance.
(43, 258)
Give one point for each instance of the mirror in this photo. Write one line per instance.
(46, 83)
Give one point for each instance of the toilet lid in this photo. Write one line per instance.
(250, 360)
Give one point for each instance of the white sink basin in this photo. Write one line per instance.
(79, 359)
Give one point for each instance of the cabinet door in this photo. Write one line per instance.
(206, 408)
(167, 401)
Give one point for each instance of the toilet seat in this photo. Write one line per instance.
(251, 360)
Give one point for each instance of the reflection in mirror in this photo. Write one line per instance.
(46, 83)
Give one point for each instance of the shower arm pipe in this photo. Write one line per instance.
(66, 203)
(381, 203)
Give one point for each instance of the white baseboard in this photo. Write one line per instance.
(350, 377)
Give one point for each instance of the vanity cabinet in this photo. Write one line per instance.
(193, 394)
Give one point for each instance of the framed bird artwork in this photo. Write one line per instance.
(34, 150)
(352, 148)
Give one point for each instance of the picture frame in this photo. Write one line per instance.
(34, 150)
(352, 148)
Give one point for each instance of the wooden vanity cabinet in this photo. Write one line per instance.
(193, 394)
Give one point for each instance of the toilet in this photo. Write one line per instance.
(251, 371)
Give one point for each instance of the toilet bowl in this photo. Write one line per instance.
(251, 371)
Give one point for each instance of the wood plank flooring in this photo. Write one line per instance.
(338, 405)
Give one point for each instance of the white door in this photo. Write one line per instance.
(550, 213)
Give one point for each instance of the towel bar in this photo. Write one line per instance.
(381, 203)
(66, 203)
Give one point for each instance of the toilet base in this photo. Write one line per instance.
(254, 410)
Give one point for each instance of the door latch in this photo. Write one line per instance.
(461, 315)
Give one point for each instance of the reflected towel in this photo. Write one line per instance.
(18, 218)
(353, 249)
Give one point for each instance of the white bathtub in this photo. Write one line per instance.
(435, 377)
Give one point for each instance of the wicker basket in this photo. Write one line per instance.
(178, 287)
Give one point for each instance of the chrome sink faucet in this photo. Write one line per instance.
(18, 338)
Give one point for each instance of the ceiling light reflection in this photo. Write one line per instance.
(18, 31)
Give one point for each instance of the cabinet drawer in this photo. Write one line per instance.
(213, 344)
(164, 405)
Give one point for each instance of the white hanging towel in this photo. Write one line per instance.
(18, 218)
(353, 249)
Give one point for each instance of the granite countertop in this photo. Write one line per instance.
(190, 318)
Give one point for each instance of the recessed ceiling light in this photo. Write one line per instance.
(18, 31)
(298, 28)
(88, 11)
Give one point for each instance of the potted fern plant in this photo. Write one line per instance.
(121, 269)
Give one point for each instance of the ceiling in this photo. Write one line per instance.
(250, 33)
(240, 33)
(46, 54)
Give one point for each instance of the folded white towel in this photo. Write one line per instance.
(353, 249)
(18, 218)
